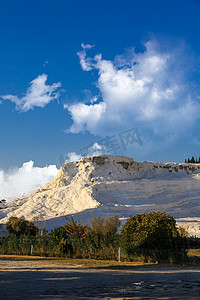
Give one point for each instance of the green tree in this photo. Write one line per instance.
(97, 224)
(183, 231)
(20, 226)
(74, 228)
(106, 224)
(192, 160)
(57, 234)
(154, 234)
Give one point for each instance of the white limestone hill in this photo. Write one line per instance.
(110, 185)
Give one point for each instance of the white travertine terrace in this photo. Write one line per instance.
(107, 184)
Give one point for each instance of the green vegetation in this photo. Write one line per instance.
(81, 241)
(106, 224)
(154, 235)
(145, 238)
(19, 226)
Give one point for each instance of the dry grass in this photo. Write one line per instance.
(193, 255)
(79, 263)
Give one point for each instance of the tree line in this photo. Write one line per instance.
(148, 237)
(193, 160)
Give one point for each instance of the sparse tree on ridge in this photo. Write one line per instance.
(192, 160)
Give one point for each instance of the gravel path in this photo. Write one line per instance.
(57, 280)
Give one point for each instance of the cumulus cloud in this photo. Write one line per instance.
(72, 156)
(96, 149)
(38, 94)
(147, 89)
(93, 149)
(85, 117)
(24, 180)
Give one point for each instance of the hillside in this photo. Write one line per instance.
(104, 184)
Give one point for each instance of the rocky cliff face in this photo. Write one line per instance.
(104, 184)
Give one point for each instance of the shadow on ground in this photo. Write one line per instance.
(62, 283)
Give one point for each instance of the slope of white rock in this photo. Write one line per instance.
(104, 184)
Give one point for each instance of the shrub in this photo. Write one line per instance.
(20, 226)
(72, 228)
(183, 231)
(57, 234)
(154, 235)
(106, 224)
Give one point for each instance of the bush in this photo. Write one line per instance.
(106, 224)
(80, 241)
(153, 235)
(20, 226)
(57, 234)
(72, 228)
(193, 242)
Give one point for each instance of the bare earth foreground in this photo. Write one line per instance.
(33, 278)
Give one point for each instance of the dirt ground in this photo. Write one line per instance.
(32, 278)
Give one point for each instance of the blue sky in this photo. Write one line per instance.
(54, 101)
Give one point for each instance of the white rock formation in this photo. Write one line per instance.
(104, 184)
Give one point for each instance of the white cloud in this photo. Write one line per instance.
(94, 99)
(146, 89)
(94, 149)
(87, 46)
(85, 117)
(86, 62)
(38, 94)
(24, 180)
(72, 156)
